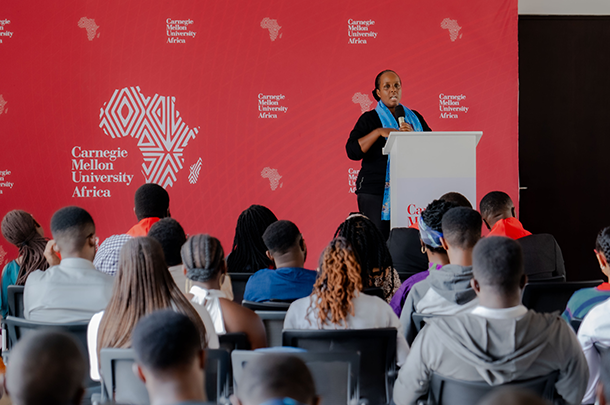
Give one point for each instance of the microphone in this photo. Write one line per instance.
(400, 113)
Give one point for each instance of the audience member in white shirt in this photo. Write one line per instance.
(142, 285)
(337, 302)
(595, 328)
(71, 290)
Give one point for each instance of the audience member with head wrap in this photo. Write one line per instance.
(248, 254)
(22, 230)
(446, 291)
(204, 264)
(372, 253)
(430, 232)
(337, 301)
(71, 290)
(151, 203)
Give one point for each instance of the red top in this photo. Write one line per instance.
(603, 287)
(142, 227)
(509, 227)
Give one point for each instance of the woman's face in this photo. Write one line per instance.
(390, 89)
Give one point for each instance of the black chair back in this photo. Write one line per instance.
(377, 348)
(274, 324)
(551, 297)
(266, 306)
(121, 383)
(542, 257)
(374, 291)
(15, 300)
(556, 279)
(335, 374)
(448, 391)
(234, 341)
(238, 282)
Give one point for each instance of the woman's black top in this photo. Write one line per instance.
(371, 178)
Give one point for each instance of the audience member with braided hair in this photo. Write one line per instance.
(248, 254)
(22, 230)
(337, 301)
(372, 253)
(142, 285)
(204, 265)
(430, 231)
(583, 300)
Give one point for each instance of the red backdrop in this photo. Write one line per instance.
(188, 114)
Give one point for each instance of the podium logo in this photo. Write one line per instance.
(413, 214)
(156, 124)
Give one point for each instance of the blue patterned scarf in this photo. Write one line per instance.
(388, 121)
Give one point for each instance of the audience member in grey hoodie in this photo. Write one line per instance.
(500, 341)
(446, 291)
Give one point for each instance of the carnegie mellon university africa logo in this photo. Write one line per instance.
(156, 124)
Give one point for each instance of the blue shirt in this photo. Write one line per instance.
(9, 277)
(285, 283)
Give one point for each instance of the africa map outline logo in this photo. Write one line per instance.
(155, 122)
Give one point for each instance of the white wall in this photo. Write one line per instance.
(565, 7)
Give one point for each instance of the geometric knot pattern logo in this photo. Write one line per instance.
(156, 124)
(453, 28)
(194, 174)
(364, 101)
(273, 176)
(273, 27)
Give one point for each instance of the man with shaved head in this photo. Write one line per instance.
(276, 379)
(71, 290)
(500, 340)
(542, 257)
(46, 368)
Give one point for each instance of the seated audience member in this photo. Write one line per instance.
(170, 234)
(447, 291)
(429, 242)
(542, 257)
(500, 340)
(248, 253)
(595, 328)
(21, 229)
(173, 373)
(372, 254)
(71, 290)
(142, 285)
(276, 379)
(337, 301)
(290, 281)
(456, 198)
(205, 266)
(46, 367)
(151, 203)
(584, 299)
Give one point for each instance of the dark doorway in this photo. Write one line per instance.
(564, 133)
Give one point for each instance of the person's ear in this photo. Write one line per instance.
(269, 255)
(444, 243)
(201, 359)
(223, 267)
(523, 281)
(601, 398)
(487, 224)
(137, 370)
(601, 258)
(169, 214)
(475, 285)
(377, 92)
(512, 211)
(317, 400)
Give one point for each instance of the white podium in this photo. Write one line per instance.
(426, 165)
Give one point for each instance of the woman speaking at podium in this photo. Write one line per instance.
(367, 140)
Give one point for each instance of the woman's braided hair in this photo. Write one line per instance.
(19, 228)
(371, 250)
(337, 284)
(203, 257)
(248, 253)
